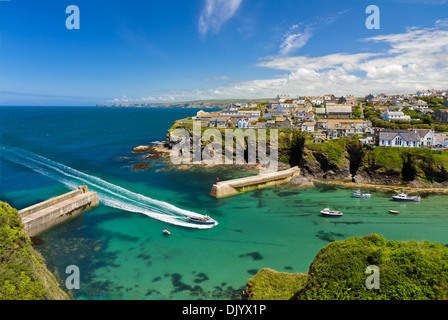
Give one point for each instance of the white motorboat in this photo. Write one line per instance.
(404, 197)
(359, 194)
(330, 213)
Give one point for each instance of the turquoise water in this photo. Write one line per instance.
(121, 251)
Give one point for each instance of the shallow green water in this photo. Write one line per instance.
(124, 255)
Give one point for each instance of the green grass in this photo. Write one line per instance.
(269, 284)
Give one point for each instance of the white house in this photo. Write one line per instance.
(426, 137)
(398, 115)
(307, 126)
(252, 115)
(398, 138)
(420, 104)
(243, 123)
(281, 99)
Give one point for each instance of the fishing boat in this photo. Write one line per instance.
(359, 194)
(405, 197)
(329, 213)
(394, 212)
(206, 220)
(166, 232)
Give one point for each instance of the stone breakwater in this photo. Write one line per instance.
(44, 215)
(236, 186)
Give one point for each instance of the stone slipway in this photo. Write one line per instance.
(236, 186)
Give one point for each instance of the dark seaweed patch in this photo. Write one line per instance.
(328, 236)
(252, 271)
(146, 257)
(201, 277)
(253, 255)
(285, 194)
(156, 279)
(176, 280)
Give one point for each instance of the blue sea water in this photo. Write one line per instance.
(119, 246)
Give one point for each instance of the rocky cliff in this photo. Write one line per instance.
(23, 274)
(348, 159)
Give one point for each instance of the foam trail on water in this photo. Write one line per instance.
(109, 194)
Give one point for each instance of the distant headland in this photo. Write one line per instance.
(202, 104)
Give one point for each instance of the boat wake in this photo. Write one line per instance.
(109, 194)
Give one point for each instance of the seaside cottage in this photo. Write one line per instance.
(243, 123)
(398, 138)
(398, 115)
(441, 115)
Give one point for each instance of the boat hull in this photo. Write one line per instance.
(197, 221)
(407, 200)
(331, 214)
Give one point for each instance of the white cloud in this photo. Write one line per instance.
(299, 34)
(415, 59)
(216, 13)
(295, 40)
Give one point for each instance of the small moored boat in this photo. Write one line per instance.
(206, 220)
(329, 213)
(404, 197)
(358, 194)
(394, 212)
(166, 232)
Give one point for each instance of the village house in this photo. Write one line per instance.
(369, 98)
(426, 137)
(243, 123)
(398, 138)
(229, 113)
(333, 110)
(237, 106)
(273, 113)
(283, 122)
(252, 115)
(382, 109)
(282, 99)
(441, 115)
(307, 126)
(330, 98)
(441, 139)
(316, 100)
(286, 108)
(219, 122)
(348, 100)
(398, 115)
(419, 104)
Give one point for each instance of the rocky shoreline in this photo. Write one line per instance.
(352, 169)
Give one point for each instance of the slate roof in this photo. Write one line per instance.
(406, 135)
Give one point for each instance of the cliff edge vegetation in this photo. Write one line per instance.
(23, 273)
(408, 270)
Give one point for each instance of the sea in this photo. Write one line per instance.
(119, 247)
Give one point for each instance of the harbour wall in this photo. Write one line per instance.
(236, 186)
(44, 215)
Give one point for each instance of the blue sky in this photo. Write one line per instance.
(177, 50)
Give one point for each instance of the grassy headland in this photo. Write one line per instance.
(408, 270)
(23, 274)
